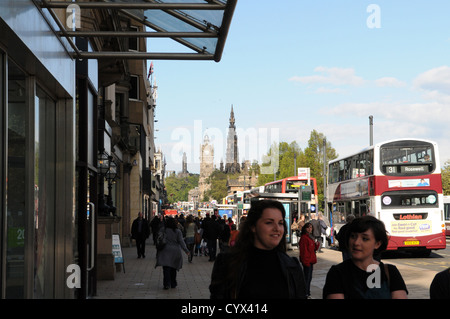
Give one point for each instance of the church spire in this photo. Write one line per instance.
(232, 120)
(232, 159)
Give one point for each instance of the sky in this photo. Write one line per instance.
(293, 66)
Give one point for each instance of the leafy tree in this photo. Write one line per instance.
(314, 155)
(178, 187)
(290, 154)
(218, 182)
(446, 178)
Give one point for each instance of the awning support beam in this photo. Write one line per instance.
(133, 5)
(134, 34)
(143, 56)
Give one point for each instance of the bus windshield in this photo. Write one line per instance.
(407, 158)
(294, 186)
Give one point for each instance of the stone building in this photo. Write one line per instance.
(206, 166)
(77, 125)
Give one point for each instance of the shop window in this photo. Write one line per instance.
(16, 222)
(44, 194)
(133, 43)
(134, 91)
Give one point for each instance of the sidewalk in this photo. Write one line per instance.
(142, 280)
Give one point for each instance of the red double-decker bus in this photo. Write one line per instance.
(397, 181)
(292, 185)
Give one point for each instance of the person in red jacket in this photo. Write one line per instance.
(308, 248)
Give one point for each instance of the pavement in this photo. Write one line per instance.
(141, 280)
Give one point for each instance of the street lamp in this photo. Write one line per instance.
(112, 171)
(107, 169)
(103, 164)
(111, 177)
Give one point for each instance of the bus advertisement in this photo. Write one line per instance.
(398, 182)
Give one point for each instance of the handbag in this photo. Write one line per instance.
(161, 240)
(197, 238)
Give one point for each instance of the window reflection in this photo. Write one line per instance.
(15, 202)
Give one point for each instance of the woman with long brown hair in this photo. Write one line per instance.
(258, 266)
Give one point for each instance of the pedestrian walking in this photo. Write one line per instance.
(440, 286)
(154, 226)
(362, 276)
(308, 248)
(233, 235)
(140, 231)
(169, 257)
(224, 235)
(211, 231)
(316, 234)
(324, 229)
(257, 267)
(191, 230)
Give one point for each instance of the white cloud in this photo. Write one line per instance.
(334, 76)
(431, 112)
(324, 90)
(434, 80)
(389, 82)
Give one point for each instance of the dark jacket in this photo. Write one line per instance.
(292, 270)
(145, 229)
(316, 228)
(211, 229)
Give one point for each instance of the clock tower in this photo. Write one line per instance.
(206, 166)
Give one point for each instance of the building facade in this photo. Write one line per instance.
(38, 154)
(77, 153)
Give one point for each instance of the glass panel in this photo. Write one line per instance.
(179, 21)
(15, 206)
(90, 127)
(44, 181)
(2, 172)
(407, 158)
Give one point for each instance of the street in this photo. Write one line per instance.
(437, 261)
(142, 281)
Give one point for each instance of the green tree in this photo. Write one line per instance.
(291, 154)
(314, 155)
(218, 182)
(178, 187)
(446, 178)
(284, 163)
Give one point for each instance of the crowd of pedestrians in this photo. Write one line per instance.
(251, 260)
(173, 234)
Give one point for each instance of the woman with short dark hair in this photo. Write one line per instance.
(363, 276)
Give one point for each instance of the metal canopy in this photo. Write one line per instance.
(200, 25)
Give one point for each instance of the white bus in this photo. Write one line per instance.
(397, 181)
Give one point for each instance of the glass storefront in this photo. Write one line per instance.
(44, 201)
(16, 180)
(29, 191)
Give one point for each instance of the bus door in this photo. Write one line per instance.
(359, 207)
